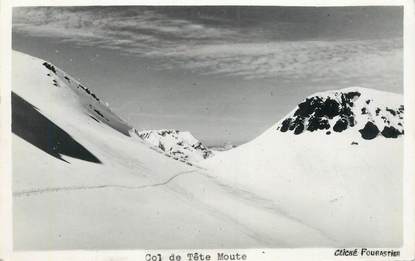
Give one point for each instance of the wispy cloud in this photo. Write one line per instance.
(115, 27)
(214, 48)
(301, 59)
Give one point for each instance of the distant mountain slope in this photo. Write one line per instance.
(180, 145)
(322, 165)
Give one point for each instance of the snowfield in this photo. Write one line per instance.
(344, 184)
(82, 180)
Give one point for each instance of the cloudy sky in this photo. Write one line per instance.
(223, 73)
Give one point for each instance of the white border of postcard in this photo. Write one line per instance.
(406, 252)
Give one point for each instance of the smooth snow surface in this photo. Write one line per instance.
(342, 184)
(82, 181)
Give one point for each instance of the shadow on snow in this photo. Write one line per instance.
(29, 124)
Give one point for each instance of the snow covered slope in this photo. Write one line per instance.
(372, 113)
(82, 180)
(89, 101)
(65, 137)
(173, 143)
(180, 145)
(323, 165)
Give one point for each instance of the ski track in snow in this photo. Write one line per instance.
(73, 188)
(250, 200)
(271, 206)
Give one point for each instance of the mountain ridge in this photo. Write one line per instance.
(180, 145)
(99, 111)
(349, 108)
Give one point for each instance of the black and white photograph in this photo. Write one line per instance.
(207, 127)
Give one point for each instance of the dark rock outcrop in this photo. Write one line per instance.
(315, 112)
(390, 132)
(370, 131)
(49, 67)
(340, 125)
(341, 110)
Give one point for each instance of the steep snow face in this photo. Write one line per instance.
(347, 183)
(355, 108)
(91, 103)
(54, 113)
(180, 145)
